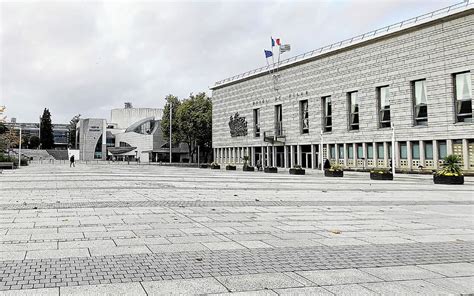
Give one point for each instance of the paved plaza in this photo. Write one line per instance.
(114, 229)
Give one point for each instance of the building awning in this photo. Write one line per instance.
(120, 150)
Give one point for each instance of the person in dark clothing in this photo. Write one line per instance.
(71, 160)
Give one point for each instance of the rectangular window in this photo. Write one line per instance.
(278, 120)
(384, 106)
(350, 151)
(415, 150)
(360, 151)
(463, 97)
(420, 102)
(403, 151)
(304, 117)
(380, 151)
(442, 149)
(370, 151)
(327, 114)
(341, 151)
(256, 121)
(429, 150)
(332, 149)
(353, 110)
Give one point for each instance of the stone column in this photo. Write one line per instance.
(465, 153)
(422, 153)
(263, 156)
(285, 157)
(449, 147)
(313, 157)
(396, 150)
(345, 154)
(274, 156)
(435, 154)
(364, 153)
(374, 153)
(354, 154)
(269, 158)
(292, 156)
(336, 150)
(253, 157)
(298, 154)
(385, 154)
(409, 156)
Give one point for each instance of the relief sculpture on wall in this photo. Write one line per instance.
(237, 125)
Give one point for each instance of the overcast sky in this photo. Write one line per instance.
(88, 57)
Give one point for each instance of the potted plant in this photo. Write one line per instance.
(230, 167)
(270, 170)
(334, 171)
(297, 170)
(381, 174)
(215, 166)
(247, 167)
(451, 172)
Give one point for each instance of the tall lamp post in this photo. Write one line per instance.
(171, 127)
(19, 149)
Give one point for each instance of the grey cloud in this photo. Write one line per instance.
(88, 57)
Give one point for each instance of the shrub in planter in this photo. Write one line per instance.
(381, 174)
(271, 170)
(247, 167)
(230, 167)
(451, 172)
(215, 166)
(204, 166)
(334, 171)
(297, 170)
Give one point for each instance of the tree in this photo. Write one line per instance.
(194, 117)
(46, 130)
(165, 120)
(34, 142)
(3, 128)
(10, 139)
(72, 130)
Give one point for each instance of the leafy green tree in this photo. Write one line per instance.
(3, 128)
(165, 120)
(46, 130)
(194, 117)
(72, 130)
(34, 142)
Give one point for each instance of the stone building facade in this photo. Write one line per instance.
(410, 88)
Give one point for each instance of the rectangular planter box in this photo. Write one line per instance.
(204, 166)
(450, 180)
(230, 168)
(328, 173)
(378, 176)
(297, 171)
(248, 169)
(271, 170)
(215, 167)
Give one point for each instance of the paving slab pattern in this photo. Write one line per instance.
(152, 230)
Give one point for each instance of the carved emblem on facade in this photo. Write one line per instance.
(237, 125)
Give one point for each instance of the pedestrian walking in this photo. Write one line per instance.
(71, 161)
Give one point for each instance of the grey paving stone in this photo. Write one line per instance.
(258, 281)
(32, 292)
(412, 287)
(64, 253)
(11, 255)
(223, 246)
(100, 251)
(184, 287)
(459, 285)
(177, 248)
(131, 289)
(350, 290)
(304, 291)
(451, 269)
(396, 273)
(248, 293)
(338, 276)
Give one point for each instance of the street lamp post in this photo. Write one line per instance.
(19, 151)
(171, 127)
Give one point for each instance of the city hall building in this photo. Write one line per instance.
(408, 85)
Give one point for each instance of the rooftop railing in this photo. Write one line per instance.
(366, 36)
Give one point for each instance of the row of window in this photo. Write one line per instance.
(462, 94)
(379, 149)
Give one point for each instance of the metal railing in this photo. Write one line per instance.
(391, 28)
